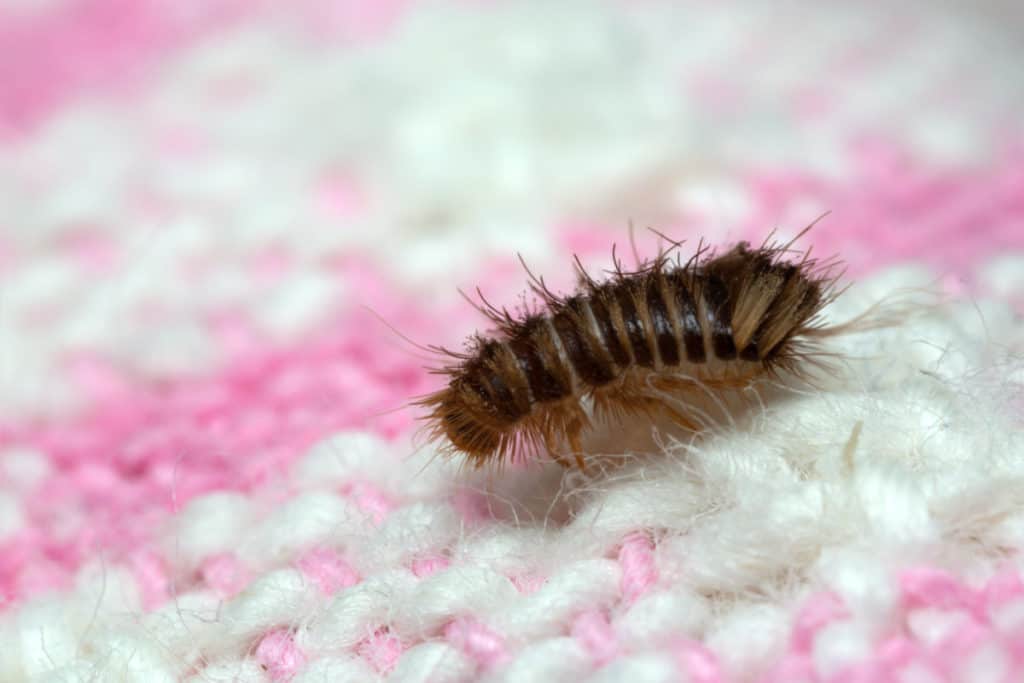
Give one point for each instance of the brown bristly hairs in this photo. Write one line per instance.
(717, 322)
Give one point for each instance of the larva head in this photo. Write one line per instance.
(460, 418)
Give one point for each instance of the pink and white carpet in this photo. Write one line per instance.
(206, 473)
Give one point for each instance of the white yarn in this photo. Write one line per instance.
(430, 662)
(39, 638)
(990, 663)
(648, 667)
(859, 573)
(1008, 617)
(748, 636)
(920, 673)
(244, 671)
(182, 626)
(508, 549)
(1004, 275)
(841, 645)
(931, 626)
(661, 615)
(334, 460)
(593, 583)
(349, 617)
(209, 525)
(553, 659)
(409, 532)
(299, 523)
(454, 592)
(11, 518)
(335, 670)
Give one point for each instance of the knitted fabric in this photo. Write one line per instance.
(218, 223)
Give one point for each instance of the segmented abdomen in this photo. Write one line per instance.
(741, 306)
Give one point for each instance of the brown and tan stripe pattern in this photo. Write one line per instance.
(668, 319)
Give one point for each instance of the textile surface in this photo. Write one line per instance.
(228, 229)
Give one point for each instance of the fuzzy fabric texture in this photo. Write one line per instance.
(212, 216)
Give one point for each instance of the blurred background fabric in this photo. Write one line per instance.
(212, 212)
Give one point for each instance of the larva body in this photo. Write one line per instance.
(716, 322)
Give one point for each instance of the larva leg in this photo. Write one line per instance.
(669, 388)
(552, 446)
(561, 460)
(573, 430)
(654, 404)
(632, 397)
(634, 400)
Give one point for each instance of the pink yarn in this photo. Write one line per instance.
(278, 654)
(527, 583)
(926, 588)
(596, 635)
(328, 569)
(96, 377)
(698, 664)
(56, 55)
(897, 652)
(150, 572)
(930, 587)
(92, 249)
(1002, 587)
(357, 20)
(793, 666)
(224, 573)
(583, 237)
(145, 450)
(893, 208)
(369, 499)
(423, 567)
(819, 611)
(339, 195)
(381, 650)
(897, 208)
(96, 45)
(963, 641)
(638, 570)
(477, 642)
